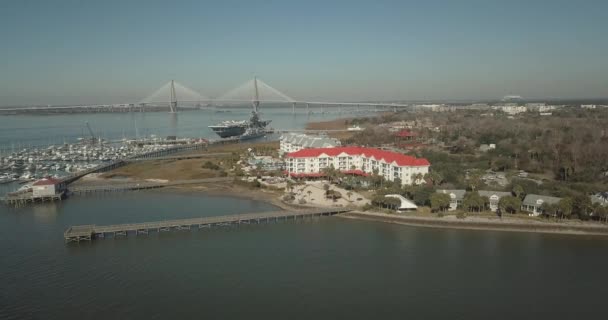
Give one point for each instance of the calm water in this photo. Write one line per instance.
(18, 131)
(329, 268)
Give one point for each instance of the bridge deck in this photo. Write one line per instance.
(89, 232)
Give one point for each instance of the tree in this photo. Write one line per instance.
(435, 177)
(550, 209)
(326, 187)
(473, 201)
(422, 194)
(581, 205)
(509, 204)
(474, 180)
(565, 207)
(349, 194)
(601, 212)
(439, 201)
(309, 193)
(331, 173)
(518, 191)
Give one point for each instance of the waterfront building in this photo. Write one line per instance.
(533, 202)
(456, 197)
(494, 197)
(292, 142)
(47, 187)
(359, 161)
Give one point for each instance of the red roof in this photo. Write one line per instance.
(377, 154)
(356, 172)
(406, 133)
(307, 175)
(46, 182)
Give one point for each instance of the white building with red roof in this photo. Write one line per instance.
(47, 187)
(356, 160)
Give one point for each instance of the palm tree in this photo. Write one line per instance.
(349, 194)
(309, 193)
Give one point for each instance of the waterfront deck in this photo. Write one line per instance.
(91, 232)
(24, 198)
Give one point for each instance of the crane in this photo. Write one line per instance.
(93, 137)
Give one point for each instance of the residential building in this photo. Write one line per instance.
(267, 163)
(292, 142)
(494, 197)
(533, 202)
(47, 187)
(359, 161)
(588, 106)
(456, 197)
(513, 109)
(406, 135)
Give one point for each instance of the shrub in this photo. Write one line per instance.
(210, 165)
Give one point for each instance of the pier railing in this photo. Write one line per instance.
(90, 232)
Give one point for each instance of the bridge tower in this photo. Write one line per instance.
(256, 95)
(173, 102)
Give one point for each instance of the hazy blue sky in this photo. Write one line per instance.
(114, 51)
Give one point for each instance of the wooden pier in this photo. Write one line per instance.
(22, 199)
(91, 232)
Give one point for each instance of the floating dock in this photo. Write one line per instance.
(91, 232)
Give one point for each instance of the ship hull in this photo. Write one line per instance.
(227, 132)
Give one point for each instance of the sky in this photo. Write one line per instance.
(73, 52)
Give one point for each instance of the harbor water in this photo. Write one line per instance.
(21, 131)
(327, 268)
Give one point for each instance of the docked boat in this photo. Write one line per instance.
(244, 129)
(230, 128)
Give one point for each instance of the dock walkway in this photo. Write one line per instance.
(91, 232)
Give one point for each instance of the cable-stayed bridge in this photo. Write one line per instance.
(254, 91)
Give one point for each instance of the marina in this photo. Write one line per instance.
(92, 232)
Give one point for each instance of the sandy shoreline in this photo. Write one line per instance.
(470, 223)
(482, 224)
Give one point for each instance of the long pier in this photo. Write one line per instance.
(91, 232)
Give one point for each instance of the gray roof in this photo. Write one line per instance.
(531, 200)
(307, 141)
(458, 193)
(488, 194)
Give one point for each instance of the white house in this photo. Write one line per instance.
(533, 202)
(47, 187)
(456, 197)
(357, 161)
(494, 197)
